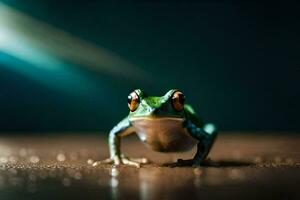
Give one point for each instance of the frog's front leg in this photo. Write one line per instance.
(122, 129)
(206, 136)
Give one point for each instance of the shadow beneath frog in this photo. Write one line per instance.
(210, 163)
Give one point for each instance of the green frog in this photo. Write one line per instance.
(164, 124)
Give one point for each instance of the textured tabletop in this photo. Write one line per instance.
(60, 166)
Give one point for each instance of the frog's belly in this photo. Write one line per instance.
(163, 134)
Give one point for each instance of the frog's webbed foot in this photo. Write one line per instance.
(123, 160)
(189, 162)
(181, 162)
(134, 161)
(196, 163)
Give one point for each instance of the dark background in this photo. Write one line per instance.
(237, 63)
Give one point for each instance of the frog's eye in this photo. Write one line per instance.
(133, 101)
(178, 100)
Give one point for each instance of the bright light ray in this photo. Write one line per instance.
(25, 58)
(64, 79)
(18, 46)
(46, 48)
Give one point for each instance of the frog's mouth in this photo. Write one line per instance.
(153, 117)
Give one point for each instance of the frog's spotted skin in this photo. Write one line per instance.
(164, 124)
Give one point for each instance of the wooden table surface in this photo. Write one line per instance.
(59, 166)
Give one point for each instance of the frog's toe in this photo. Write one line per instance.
(182, 162)
(122, 160)
(140, 160)
(189, 162)
(134, 161)
(106, 161)
(127, 161)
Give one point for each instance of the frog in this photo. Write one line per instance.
(164, 124)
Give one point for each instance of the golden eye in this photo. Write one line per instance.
(133, 101)
(178, 100)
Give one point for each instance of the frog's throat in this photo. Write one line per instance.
(164, 134)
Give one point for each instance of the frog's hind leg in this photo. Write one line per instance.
(206, 136)
(205, 146)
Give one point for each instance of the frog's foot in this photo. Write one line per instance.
(133, 161)
(181, 162)
(106, 161)
(187, 163)
(196, 163)
(123, 160)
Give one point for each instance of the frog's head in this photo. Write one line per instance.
(170, 105)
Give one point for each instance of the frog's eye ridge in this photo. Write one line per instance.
(133, 101)
(178, 100)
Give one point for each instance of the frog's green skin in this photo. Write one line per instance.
(162, 129)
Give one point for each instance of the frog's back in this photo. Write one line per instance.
(165, 134)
